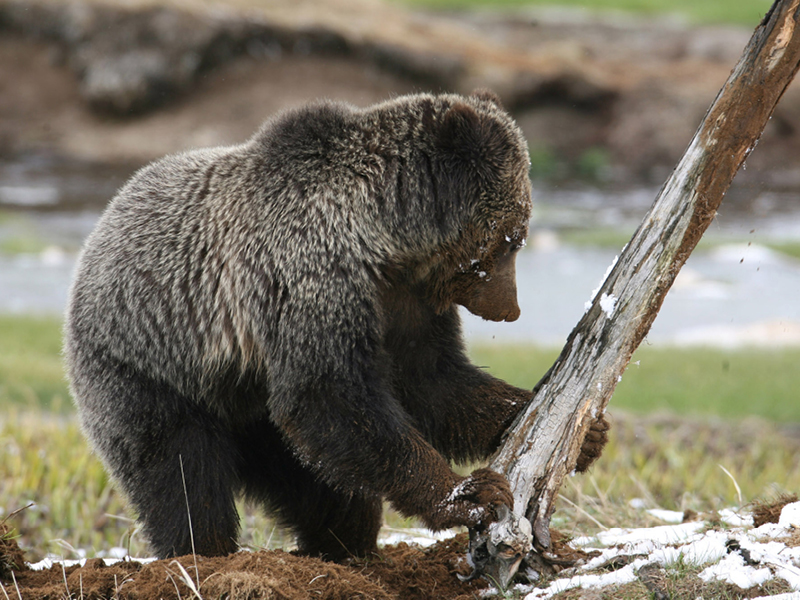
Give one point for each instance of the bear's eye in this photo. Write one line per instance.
(508, 247)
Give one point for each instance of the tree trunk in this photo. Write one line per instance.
(543, 444)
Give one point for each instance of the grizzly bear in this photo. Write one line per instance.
(278, 320)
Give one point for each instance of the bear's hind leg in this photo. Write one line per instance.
(345, 526)
(328, 523)
(200, 517)
(172, 460)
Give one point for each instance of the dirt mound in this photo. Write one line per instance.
(401, 571)
(398, 572)
(11, 557)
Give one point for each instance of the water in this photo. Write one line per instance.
(723, 295)
(716, 299)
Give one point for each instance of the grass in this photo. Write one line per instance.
(677, 464)
(31, 367)
(690, 382)
(746, 12)
(19, 235)
(615, 238)
(676, 582)
(667, 460)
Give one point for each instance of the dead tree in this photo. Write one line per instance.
(543, 444)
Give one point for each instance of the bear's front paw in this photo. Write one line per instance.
(473, 501)
(593, 443)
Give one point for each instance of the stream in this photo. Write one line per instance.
(733, 290)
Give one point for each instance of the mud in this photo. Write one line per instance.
(398, 572)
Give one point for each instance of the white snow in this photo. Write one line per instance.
(732, 569)
(608, 302)
(790, 515)
(736, 519)
(420, 537)
(742, 555)
(739, 253)
(663, 534)
(52, 559)
(588, 304)
(668, 516)
(762, 334)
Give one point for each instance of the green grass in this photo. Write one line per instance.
(615, 238)
(31, 367)
(698, 381)
(654, 452)
(18, 235)
(688, 382)
(748, 12)
(791, 249)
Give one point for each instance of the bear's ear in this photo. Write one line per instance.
(461, 130)
(487, 95)
(470, 136)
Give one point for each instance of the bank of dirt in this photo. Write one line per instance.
(114, 82)
(398, 572)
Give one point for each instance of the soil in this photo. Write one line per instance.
(402, 572)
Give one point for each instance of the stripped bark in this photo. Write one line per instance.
(543, 444)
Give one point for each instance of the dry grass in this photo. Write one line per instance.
(664, 461)
(769, 510)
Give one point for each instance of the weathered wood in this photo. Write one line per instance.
(543, 445)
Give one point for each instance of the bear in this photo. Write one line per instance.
(278, 320)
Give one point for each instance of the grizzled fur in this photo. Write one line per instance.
(278, 319)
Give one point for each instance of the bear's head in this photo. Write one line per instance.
(487, 170)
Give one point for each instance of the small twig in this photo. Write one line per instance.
(172, 579)
(64, 573)
(119, 518)
(64, 544)
(586, 514)
(189, 515)
(187, 579)
(14, 512)
(5, 593)
(80, 584)
(16, 585)
(735, 484)
(269, 539)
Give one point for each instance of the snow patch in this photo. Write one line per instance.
(588, 304)
(790, 515)
(732, 569)
(762, 334)
(668, 516)
(663, 534)
(608, 303)
(416, 536)
(742, 555)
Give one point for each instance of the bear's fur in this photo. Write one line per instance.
(278, 319)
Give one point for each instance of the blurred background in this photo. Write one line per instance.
(608, 93)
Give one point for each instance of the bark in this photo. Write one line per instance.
(543, 444)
